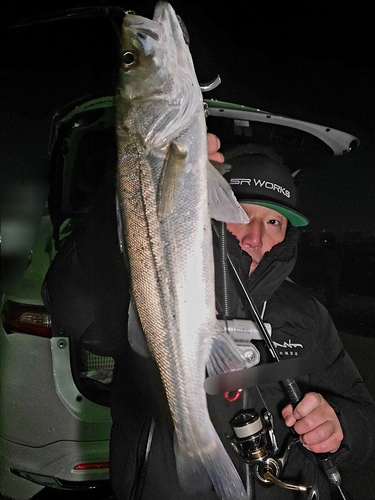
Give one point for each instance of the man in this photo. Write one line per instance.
(335, 399)
(336, 413)
(266, 195)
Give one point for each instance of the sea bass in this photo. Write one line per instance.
(167, 193)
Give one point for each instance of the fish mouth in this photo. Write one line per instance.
(142, 26)
(164, 13)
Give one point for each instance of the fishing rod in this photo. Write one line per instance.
(290, 385)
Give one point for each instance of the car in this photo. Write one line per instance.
(55, 418)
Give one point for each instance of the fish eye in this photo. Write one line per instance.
(128, 59)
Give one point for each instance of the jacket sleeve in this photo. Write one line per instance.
(342, 386)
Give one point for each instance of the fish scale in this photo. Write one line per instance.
(163, 176)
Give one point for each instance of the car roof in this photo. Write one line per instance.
(82, 139)
(273, 130)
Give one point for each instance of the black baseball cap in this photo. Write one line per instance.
(260, 180)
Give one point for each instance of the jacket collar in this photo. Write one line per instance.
(275, 266)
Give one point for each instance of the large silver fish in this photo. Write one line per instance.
(168, 192)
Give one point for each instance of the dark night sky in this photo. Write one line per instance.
(307, 62)
(313, 61)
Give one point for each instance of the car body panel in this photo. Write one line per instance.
(79, 406)
(53, 465)
(58, 408)
(47, 426)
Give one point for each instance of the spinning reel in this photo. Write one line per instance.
(255, 443)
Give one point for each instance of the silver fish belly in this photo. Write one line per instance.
(162, 190)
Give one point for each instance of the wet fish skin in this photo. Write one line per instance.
(162, 178)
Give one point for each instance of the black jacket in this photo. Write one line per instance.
(301, 327)
(142, 457)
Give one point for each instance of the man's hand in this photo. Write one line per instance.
(316, 422)
(213, 144)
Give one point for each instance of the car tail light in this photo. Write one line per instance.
(21, 318)
(93, 465)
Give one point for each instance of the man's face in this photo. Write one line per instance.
(265, 229)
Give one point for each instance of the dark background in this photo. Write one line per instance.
(313, 61)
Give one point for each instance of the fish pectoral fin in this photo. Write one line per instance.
(171, 172)
(222, 203)
(136, 336)
(225, 355)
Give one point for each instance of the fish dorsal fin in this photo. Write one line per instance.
(222, 203)
(170, 175)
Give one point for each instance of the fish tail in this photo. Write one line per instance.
(224, 477)
(191, 471)
(207, 469)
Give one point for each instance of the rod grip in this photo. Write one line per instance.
(325, 459)
(293, 391)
